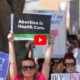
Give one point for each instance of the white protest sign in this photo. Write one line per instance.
(65, 76)
(58, 28)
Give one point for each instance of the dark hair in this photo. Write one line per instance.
(20, 65)
(30, 45)
(40, 61)
(69, 56)
(26, 59)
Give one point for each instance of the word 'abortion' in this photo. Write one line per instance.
(30, 22)
(30, 25)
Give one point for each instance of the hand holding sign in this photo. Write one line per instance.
(55, 32)
(10, 36)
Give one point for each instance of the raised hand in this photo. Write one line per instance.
(10, 36)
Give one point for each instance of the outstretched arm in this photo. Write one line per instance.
(13, 67)
(31, 46)
(46, 64)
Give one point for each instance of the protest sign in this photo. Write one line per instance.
(58, 28)
(26, 26)
(4, 64)
(65, 76)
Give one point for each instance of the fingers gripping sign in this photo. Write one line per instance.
(10, 36)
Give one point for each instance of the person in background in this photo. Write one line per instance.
(31, 46)
(76, 53)
(69, 63)
(28, 66)
(56, 65)
(70, 48)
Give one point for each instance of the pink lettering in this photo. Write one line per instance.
(72, 77)
(79, 76)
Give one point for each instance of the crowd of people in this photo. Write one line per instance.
(41, 69)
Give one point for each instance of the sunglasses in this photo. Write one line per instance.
(69, 64)
(31, 67)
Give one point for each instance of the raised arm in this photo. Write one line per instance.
(31, 46)
(13, 67)
(46, 64)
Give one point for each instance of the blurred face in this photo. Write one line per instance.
(28, 68)
(58, 66)
(32, 45)
(56, 63)
(69, 65)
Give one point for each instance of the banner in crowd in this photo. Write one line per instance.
(58, 28)
(65, 76)
(4, 64)
(26, 26)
